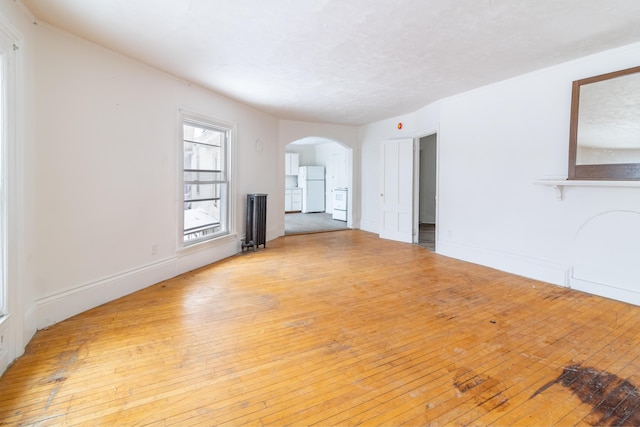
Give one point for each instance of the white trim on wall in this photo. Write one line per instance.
(521, 265)
(56, 307)
(12, 330)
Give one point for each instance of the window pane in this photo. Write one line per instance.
(200, 156)
(203, 135)
(194, 177)
(201, 191)
(201, 219)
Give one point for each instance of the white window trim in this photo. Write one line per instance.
(188, 115)
(12, 327)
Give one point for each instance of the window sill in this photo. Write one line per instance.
(559, 184)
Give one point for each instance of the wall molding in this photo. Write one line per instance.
(607, 291)
(57, 307)
(533, 268)
(62, 305)
(29, 325)
(4, 351)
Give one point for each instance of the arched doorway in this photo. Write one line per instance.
(331, 159)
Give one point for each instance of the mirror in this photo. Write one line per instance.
(604, 141)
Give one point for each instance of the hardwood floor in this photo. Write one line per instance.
(338, 328)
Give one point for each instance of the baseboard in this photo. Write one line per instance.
(54, 308)
(4, 347)
(4, 359)
(30, 325)
(532, 268)
(600, 289)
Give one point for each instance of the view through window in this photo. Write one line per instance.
(206, 182)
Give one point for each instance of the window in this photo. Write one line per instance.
(206, 183)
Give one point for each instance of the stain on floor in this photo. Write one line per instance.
(615, 401)
(486, 392)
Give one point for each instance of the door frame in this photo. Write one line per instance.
(416, 185)
(352, 171)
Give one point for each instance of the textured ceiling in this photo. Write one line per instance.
(346, 61)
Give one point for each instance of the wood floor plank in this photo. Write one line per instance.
(366, 331)
(583, 345)
(476, 378)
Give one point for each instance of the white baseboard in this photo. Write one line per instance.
(4, 347)
(532, 268)
(30, 325)
(4, 359)
(54, 308)
(619, 294)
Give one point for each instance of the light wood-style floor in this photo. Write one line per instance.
(329, 329)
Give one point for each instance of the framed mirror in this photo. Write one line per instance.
(604, 139)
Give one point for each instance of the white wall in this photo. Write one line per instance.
(107, 154)
(493, 143)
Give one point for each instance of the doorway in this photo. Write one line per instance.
(427, 185)
(335, 158)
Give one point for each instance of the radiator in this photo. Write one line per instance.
(256, 228)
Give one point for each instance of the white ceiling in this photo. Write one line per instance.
(346, 61)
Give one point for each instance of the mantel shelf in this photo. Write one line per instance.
(559, 184)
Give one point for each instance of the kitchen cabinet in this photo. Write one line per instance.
(291, 163)
(293, 199)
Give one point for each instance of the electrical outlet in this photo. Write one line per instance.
(154, 249)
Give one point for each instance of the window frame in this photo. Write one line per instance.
(186, 117)
(13, 327)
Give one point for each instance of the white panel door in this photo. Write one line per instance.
(397, 190)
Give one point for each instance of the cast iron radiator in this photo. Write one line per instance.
(256, 229)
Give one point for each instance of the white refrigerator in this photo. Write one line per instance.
(311, 180)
